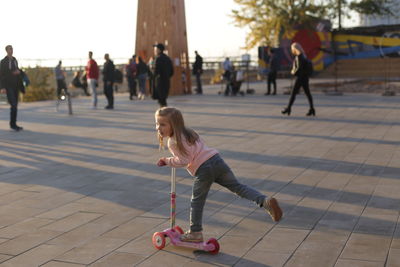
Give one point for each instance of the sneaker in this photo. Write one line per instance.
(194, 237)
(272, 207)
(16, 128)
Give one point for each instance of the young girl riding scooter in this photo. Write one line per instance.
(205, 164)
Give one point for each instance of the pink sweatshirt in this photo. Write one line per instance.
(197, 154)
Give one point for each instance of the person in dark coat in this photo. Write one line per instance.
(130, 73)
(300, 70)
(162, 74)
(197, 71)
(273, 71)
(11, 83)
(108, 79)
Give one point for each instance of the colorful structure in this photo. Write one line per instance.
(163, 21)
(323, 47)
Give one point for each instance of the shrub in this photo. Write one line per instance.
(39, 88)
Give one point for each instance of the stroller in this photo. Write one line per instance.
(233, 82)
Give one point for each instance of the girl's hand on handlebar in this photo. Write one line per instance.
(161, 162)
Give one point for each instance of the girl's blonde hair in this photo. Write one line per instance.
(298, 48)
(175, 119)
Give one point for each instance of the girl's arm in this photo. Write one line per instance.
(178, 160)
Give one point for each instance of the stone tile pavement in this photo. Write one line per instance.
(83, 190)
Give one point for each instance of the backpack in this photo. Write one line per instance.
(25, 78)
(309, 68)
(118, 76)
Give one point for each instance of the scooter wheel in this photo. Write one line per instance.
(158, 240)
(216, 245)
(178, 229)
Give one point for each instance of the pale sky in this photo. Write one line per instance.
(54, 29)
(67, 29)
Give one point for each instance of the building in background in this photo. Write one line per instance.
(164, 22)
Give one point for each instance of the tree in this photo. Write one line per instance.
(375, 7)
(268, 19)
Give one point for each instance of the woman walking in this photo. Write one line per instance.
(301, 69)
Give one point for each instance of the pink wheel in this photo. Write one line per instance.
(158, 240)
(178, 229)
(216, 245)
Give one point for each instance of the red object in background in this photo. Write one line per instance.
(310, 42)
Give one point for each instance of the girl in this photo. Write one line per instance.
(205, 164)
(300, 70)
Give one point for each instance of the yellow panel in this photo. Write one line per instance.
(370, 40)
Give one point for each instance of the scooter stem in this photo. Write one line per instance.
(173, 197)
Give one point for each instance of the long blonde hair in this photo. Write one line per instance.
(298, 48)
(175, 119)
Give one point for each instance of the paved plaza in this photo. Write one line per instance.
(84, 190)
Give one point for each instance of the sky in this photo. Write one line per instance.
(40, 30)
(44, 31)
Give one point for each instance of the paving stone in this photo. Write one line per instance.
(118, 259)
(140, 246)
(163, 258)
(81, 235)
(327, 243)
(255, 224)
(258, 258)
(87, 184)
(393, 258)
(358, 263)
(134, 228)
(366, 247)
(91, 251)
(36, 256)
(282, 240)
(27, 241)
(396, 238)
(379, 224)
(26, 226)
(232, 249)
(4, 258)
(61, 264)
(68, 223)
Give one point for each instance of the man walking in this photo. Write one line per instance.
(11, 83)
(92, 74)
(60, 77)
(108, 80)
(163, 72)
(197, 71)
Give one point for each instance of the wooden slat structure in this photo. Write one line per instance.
(163, 21)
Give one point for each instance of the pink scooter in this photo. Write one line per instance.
(174, 233)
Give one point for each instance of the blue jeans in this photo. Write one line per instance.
(142, 83)
(93, 87)
(216, 170)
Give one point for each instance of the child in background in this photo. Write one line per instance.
(205, 164)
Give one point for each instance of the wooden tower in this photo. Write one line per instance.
(163, 21)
